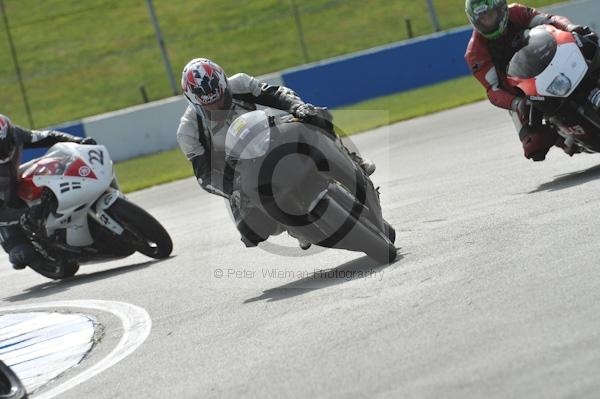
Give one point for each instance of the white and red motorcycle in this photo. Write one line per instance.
(559, 72)
(83, 216)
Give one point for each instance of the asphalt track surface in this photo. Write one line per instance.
(496, 292)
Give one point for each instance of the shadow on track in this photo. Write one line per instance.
(570, 180)
(54, 287)
(352, 270)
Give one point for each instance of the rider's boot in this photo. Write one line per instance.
(304, 245)
(22, 256)
(537, 141)
(367, 165)
(20, 251)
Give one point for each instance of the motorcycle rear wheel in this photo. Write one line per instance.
(144, 232)
(56, 272)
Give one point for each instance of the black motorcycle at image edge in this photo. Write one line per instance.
(10, 385)
(297, 177)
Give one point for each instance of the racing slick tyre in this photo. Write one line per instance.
(367, 237)
(142, 230)
(55, 271)
(380, 249)
(390, 232)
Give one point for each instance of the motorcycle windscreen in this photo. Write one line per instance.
(532, 59)
(248, 137)
(53, 163)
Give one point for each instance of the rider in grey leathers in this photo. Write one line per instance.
(214, 102)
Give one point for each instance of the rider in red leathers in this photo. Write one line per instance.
(498, 28)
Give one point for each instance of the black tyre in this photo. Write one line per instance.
(378, 244)
(389, 231)
(144, 232)
(366, 236)
(10, 385)
(55, 271)
(381, 249)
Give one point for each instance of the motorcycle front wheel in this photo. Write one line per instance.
(142, 230)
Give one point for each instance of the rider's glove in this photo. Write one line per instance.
(521, 108)
(579, 29)
(88, 141)
(304, 111)
(316, 116)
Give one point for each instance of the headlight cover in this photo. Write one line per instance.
(560, 86)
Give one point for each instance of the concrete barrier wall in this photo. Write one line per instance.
(151, 128)
(139, 130)
(381, 71)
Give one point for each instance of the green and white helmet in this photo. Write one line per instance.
(489, 17)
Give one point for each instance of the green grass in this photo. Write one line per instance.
(151, 170)
(82, 58)
(172, 165)
(409, 104)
